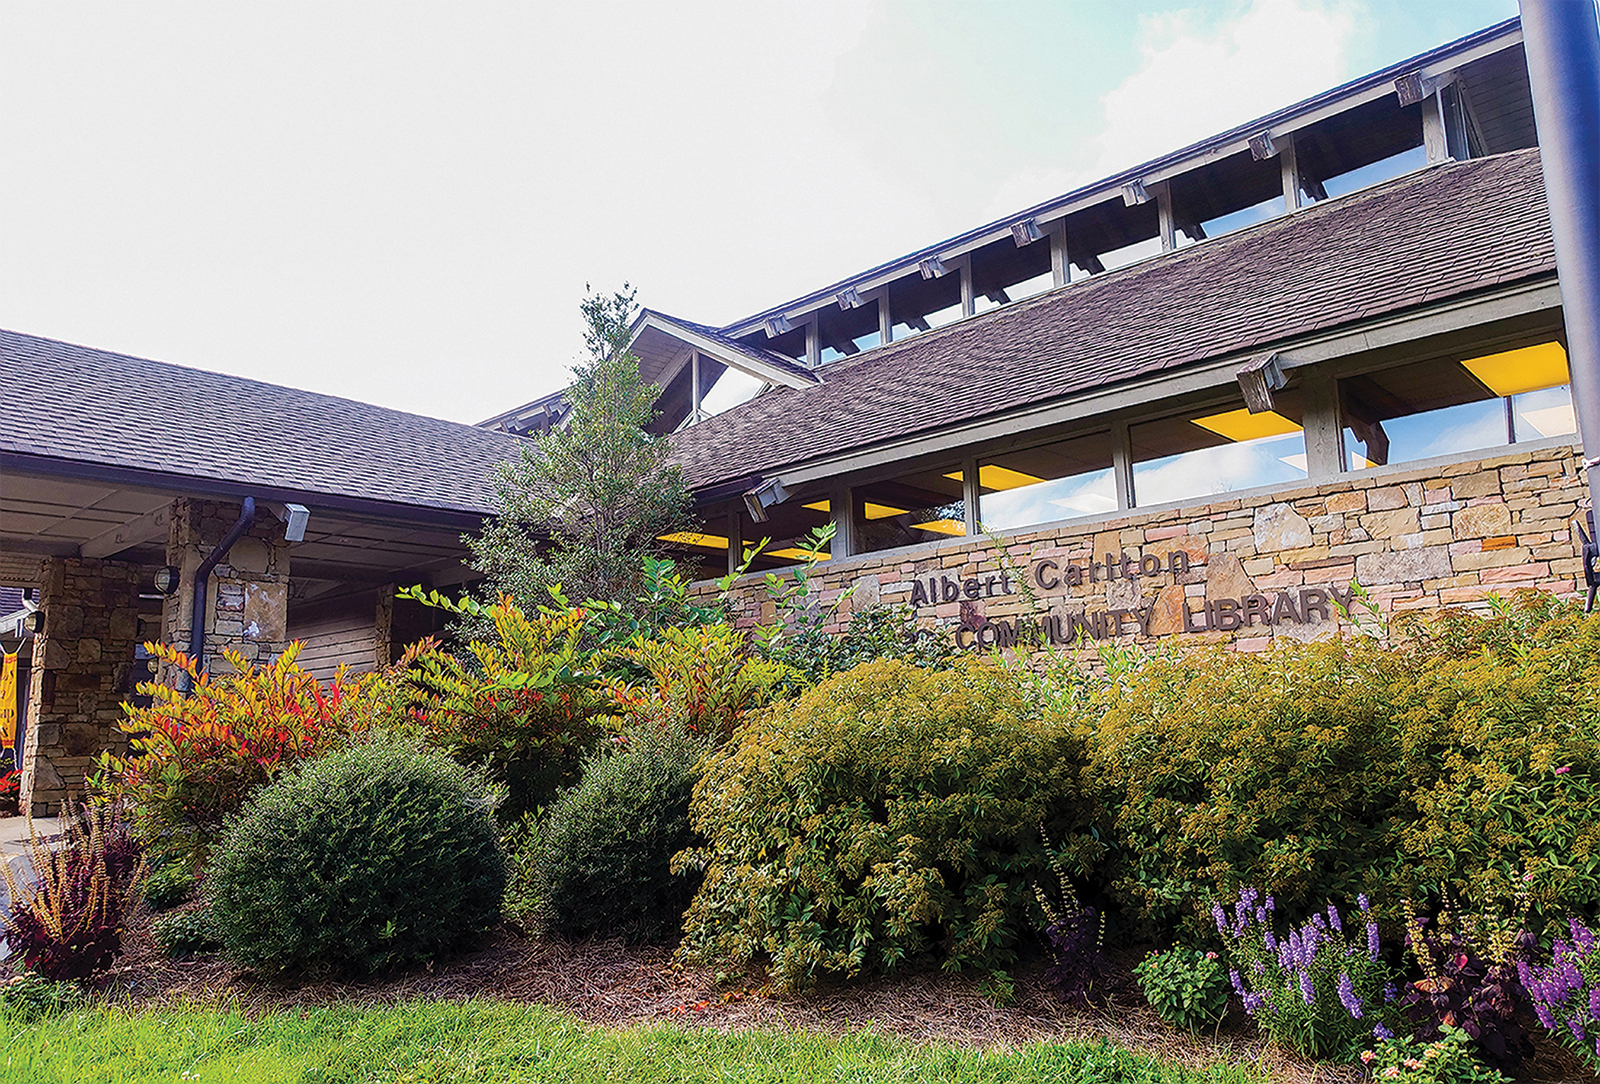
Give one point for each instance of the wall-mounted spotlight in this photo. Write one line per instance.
(34, 622)
(295, 517)
(167, 579)
(778, 325)
(1026, 232)
(1262, 146)
(764, 496)
(1135, 193)
(932, 268)
(849, 298)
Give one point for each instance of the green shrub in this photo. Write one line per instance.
(889, 813)
(1499, 739)
(599, 861)
(523, 706)
(30, 995)
(168, 886)
(371, 857)
(1221, 769)
(183, 933)
(1449, 1060)
(874, 632)
(1463, 761)
(1185, 986)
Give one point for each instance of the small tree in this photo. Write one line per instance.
(585, 506)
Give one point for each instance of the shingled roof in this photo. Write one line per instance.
(75, 406)
(1442, 232)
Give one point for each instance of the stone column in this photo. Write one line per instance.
(81, 660)
(248, 597)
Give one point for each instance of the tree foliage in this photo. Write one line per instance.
(585, 505)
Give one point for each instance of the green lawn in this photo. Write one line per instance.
(481, 1041)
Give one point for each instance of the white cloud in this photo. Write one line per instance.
(1198, 77)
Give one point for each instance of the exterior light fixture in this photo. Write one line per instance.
(778, 325)
(1135, 193)
(167, 579)
(849, 298)
(1026, 232)
(1262, 146)
(932, 268)
(33, 622)
(764, 496)
(1258, 378)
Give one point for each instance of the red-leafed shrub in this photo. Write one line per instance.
(193, 761)
(10, 794)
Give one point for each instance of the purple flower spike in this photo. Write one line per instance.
(1594, 1004)
(1221, 916)
(1347, 996)
(1381, 1032)
(1238, 983)
(1363, 903)
(1270, 905)
(1270, 940)
(1307, 990)
(1372, 941)
(1575, 1026)
(1333, 918)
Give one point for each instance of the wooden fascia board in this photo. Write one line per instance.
(772, 374)
(1543, 294)
(1110, 189)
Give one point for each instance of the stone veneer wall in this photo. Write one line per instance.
(248, 597)
(1419, 538)
(82, 660)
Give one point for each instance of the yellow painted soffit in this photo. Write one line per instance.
(798, 554)
(873, 511)
(1241, 425)
(992, 476)
(943, 526)
(1513, 372)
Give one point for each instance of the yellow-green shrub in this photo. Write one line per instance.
(701, 680)
(1219, 769)
(888, 814)
(1463, 759)
(524, 706)
(1499, 737)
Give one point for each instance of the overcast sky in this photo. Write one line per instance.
(403, 202)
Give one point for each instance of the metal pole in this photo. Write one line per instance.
(1562, 41)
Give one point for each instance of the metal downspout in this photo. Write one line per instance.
(1562, 42)
(202, 577)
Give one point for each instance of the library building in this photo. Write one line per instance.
(1309, 365)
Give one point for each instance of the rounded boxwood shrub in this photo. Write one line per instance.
(890, 813)
(599, 862)
(374, 856)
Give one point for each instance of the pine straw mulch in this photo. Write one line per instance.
(608, 983)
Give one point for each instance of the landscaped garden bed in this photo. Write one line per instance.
(1375, 855)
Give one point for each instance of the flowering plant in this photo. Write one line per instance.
(1446, 1060)
(1566, 993)
(1318, 988)
(1186, 986)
